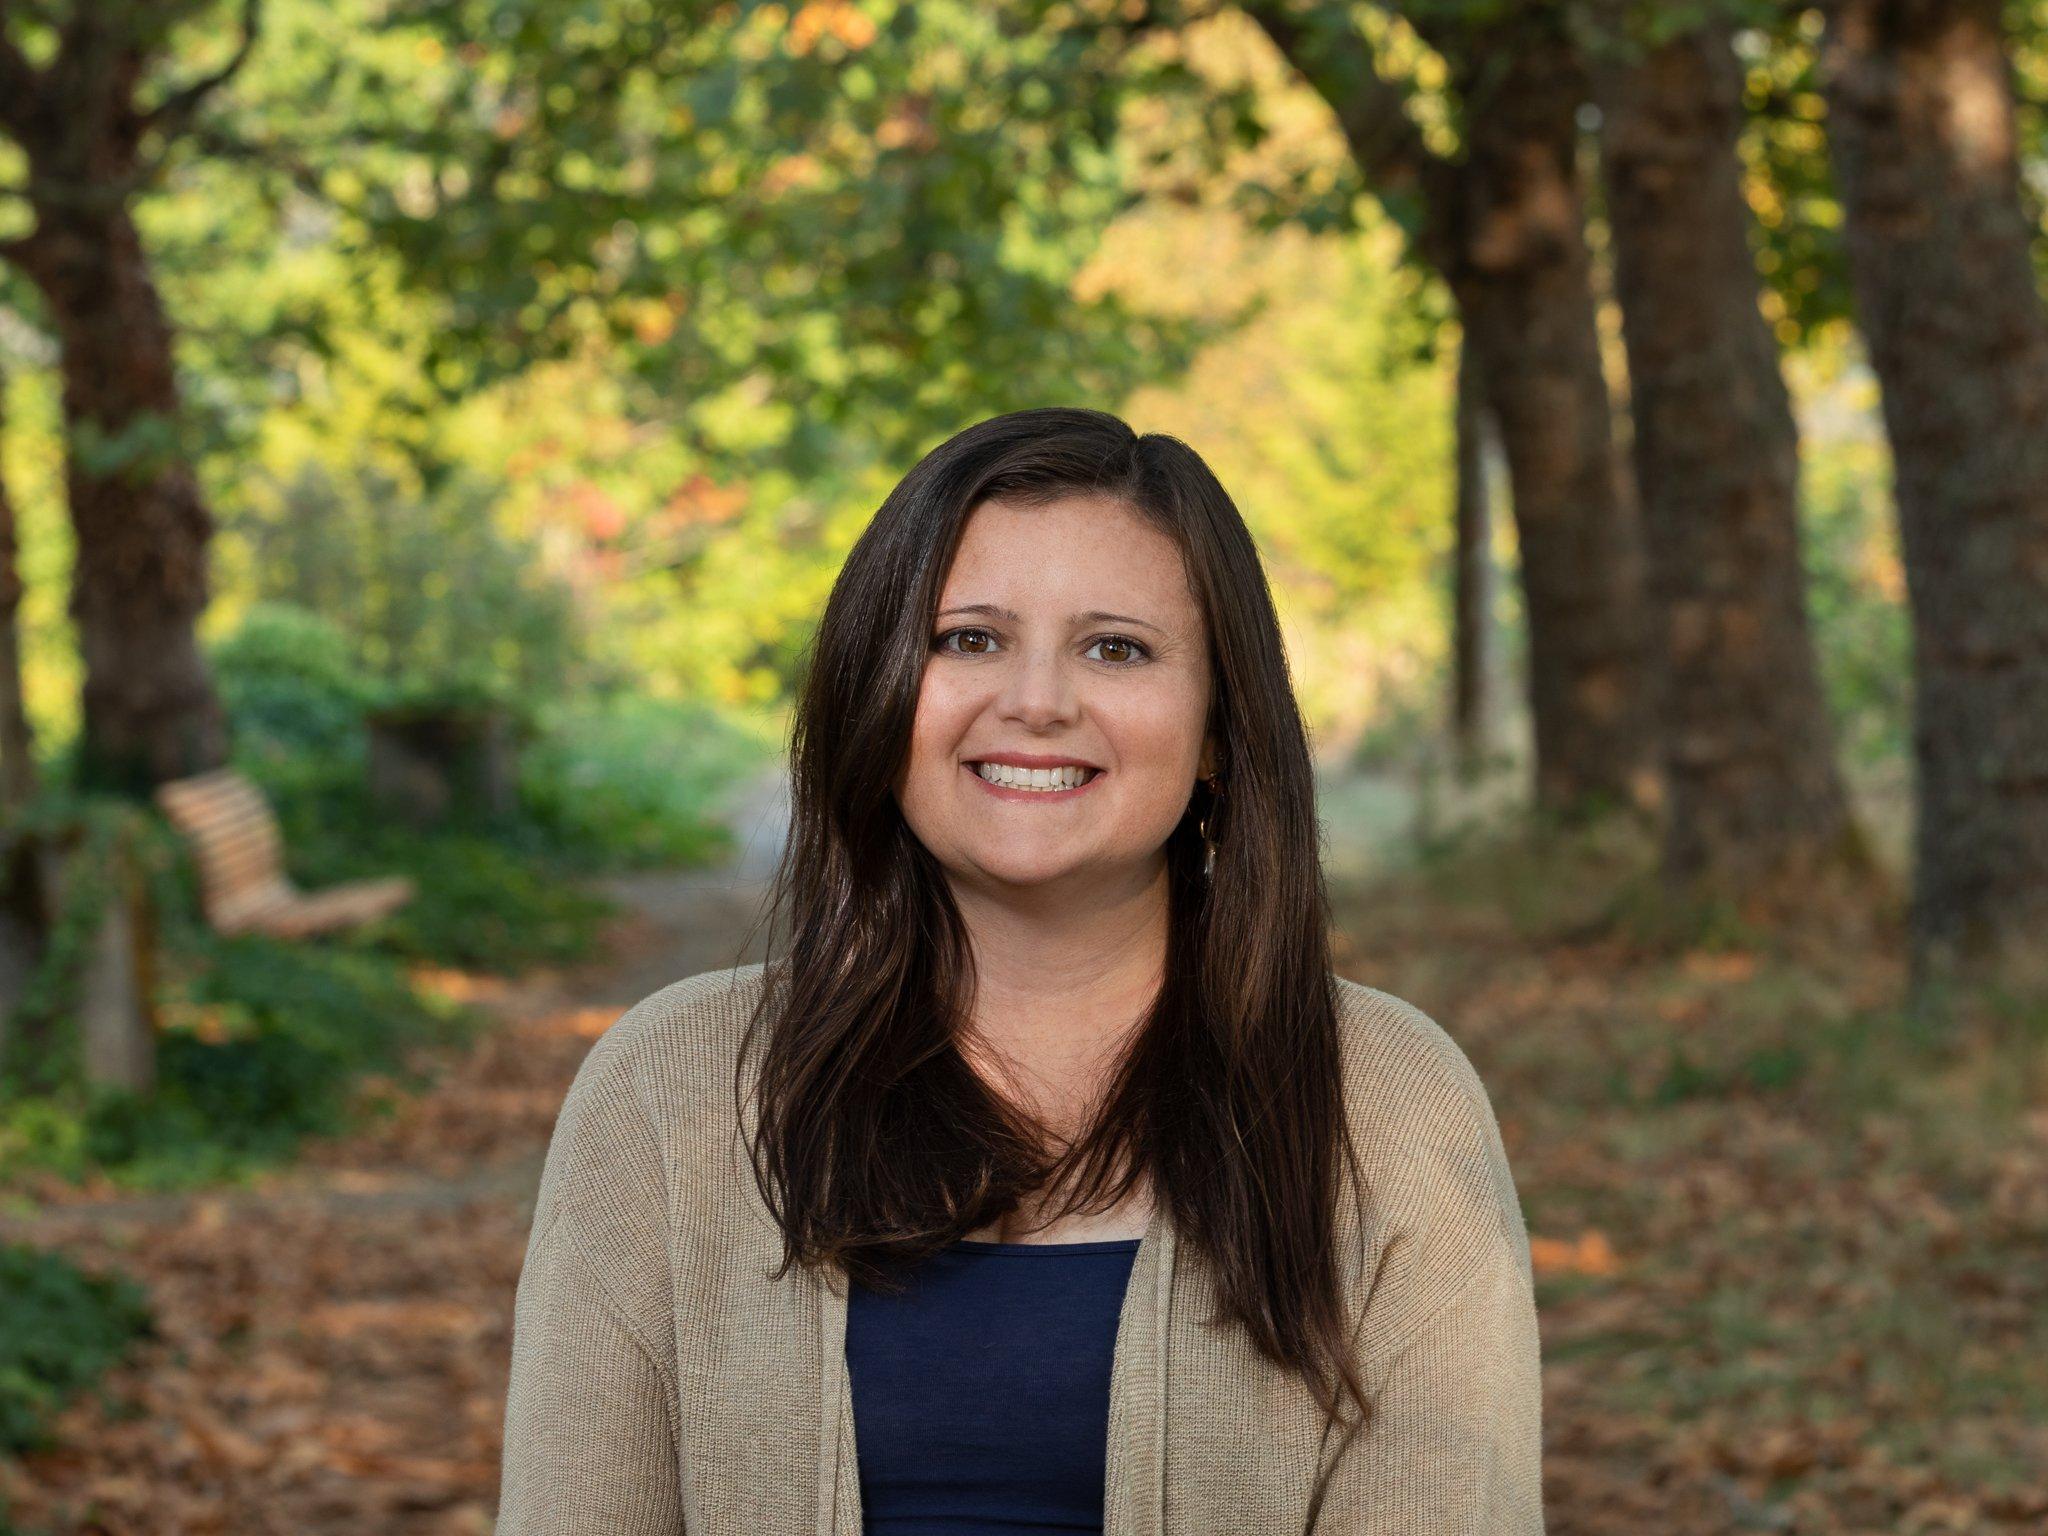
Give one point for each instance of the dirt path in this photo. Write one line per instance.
(334, 1339)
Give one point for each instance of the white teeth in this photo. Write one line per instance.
(1034, 778)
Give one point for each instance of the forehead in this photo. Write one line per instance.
(1082, 550)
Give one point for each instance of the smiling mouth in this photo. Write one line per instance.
(1051, 782)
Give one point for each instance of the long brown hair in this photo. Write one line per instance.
(876, 1143)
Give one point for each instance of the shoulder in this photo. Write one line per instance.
(1437, 1181)
(682, 1032)
(1403, 1072)
(632, 1133)
(659, 1080)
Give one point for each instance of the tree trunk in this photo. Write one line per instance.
(17, 743)
(1504, 225)
(1755, 808)
(1518, 264)
(117, 1019)
(1920, 110)
(140, 581)
(1472, 670)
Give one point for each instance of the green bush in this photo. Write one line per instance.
(289, 1031)
(425, 583)
(477, 904)
(95, 832)
(292, 684)
(263, 1042)
(630, 782)
(60, 1331)
(605, 781)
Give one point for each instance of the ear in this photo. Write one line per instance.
(1208, 765)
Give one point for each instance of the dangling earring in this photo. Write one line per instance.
(1215, 786)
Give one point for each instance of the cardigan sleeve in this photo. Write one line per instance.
(591, 1419)
(1446, 1340)
(1454, 1443)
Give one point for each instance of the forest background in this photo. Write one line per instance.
(1587, 373)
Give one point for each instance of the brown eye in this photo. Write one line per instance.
(1135, 651)
(964, 634)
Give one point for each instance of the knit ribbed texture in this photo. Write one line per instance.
(662, 1383)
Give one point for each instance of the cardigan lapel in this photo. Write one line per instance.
(766, 1398)
(835, 1413)
(1134, 1494)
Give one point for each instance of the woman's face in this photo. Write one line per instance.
(1065, 634)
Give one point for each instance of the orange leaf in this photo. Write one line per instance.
(1588, 1254)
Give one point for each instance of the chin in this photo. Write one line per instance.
(1026, 872)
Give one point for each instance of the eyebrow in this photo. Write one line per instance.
(1092, 616)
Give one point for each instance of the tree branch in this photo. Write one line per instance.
(1371, 109)
(216, 143)
(1325, 46)
(170, 116)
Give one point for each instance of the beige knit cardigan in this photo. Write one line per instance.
(662, 1383)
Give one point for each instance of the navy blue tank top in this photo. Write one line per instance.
(981, 1393)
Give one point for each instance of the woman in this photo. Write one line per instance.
(1050, 1181)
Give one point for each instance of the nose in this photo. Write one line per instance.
(1037, 690)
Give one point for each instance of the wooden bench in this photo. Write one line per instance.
(242, 883)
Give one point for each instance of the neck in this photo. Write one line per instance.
(1062, 981)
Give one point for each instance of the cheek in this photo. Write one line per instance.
(937, 720)
(1160, 733)
(936, 730)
